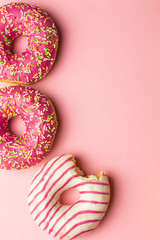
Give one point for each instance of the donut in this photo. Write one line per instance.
(38, 114)
(67, 221)
(19, 19)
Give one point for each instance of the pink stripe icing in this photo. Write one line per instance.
(46, 194)
(88, 182)
(74, 216)
(47, 204)
(45, 185)
(94, 192)
(46, 171)
(84, 232)
(80, 201)
(78, 224)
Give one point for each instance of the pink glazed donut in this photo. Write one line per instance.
(38, 114)
(19, 19)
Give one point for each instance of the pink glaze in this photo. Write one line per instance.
(19, 19)
(38, 114)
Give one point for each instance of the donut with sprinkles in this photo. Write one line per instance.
(20, 19)
(38, 114)
(67, 221)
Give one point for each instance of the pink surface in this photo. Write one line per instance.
(105, 86)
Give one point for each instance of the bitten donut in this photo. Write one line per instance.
(67, 221)
(38, 114)
(19, 19)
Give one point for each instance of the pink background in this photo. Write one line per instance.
(105, 86)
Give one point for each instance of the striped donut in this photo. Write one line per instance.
(67, 221)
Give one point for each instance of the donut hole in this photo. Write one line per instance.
(69, 197)
(17, 126)
(20, 45)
